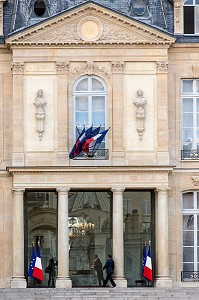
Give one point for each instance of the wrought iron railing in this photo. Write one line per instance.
(190, 154)
(99, 154)
(189, 276)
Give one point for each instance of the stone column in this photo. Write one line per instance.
(18, 279)
(63, 278)
(162, 254)
(62, 113)
(118, 241)
(18, 109)
(118, 107)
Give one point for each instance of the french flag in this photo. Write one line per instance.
(97, 139)
(147, 272)
(37, 272)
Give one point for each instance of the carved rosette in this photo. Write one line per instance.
(162, 66)
(62, 67)
(117, 66)
(195, 180)
(17, 68)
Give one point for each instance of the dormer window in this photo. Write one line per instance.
(39, 8)
(191, 16)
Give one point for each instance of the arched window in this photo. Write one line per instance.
(89, 99)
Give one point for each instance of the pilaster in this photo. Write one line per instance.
(178, 16)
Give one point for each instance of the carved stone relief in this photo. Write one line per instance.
(117, 66)
(140, 103)
(17, 68)
(62, 67)
(40, 103)
(162, 66)
(195, 180)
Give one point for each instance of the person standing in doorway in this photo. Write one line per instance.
(109, 266)
(98, 269)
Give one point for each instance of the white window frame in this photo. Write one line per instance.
(196, 7)
(192, 95)
(195, 213)
(90, 94)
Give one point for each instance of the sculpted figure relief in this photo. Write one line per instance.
(40, 103)
(140, 103)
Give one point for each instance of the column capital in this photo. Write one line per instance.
(117, 190)
(18, 190)
(63, 190)
(162, 190)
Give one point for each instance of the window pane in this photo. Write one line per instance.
(187, 2)
(82, 85)
(81, 103)
(98, 103)
(188, 267)
(196, 19)
(97, 85)
(188, 254)
(187, 104)
(187, 201)
(188, 19)
(187, 135)
(81, 119)
(98, 118)
(187, 119)
(187, 86)
(196, 1)
(188, 222)
(188, 238)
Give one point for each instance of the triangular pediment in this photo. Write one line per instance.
(89, 23)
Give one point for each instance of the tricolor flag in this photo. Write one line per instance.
(144, 258)
(37, 272)
(32, 263)
(147, 272)
(96, 139)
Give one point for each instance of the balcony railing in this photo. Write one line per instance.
(189, 276)
(99, 154)
(190, 154)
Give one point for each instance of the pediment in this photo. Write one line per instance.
(89, 24)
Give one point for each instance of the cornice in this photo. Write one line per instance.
(63, 30)
(112, 169)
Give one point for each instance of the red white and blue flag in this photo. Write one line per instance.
(32, 263)
(147, 270)
(37, 272)
(96, 139)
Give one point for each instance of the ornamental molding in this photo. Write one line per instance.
(162, 66)
(72, 28)
(62, 67)
(117, 66)
(177, 10)
(17, 68)
(88, 68)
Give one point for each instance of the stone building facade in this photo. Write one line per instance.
(131, 66)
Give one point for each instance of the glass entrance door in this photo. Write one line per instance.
(41, 234)
(90, 233)
(138, 219)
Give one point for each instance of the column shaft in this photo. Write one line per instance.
(63, 279)
(118, 241)
(18, 280)
(162, 278)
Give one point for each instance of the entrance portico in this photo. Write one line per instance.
(63, 180)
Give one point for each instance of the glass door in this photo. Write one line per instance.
(90, 233)
(41, 234)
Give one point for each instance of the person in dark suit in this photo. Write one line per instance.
(109, 266)
(98, 269)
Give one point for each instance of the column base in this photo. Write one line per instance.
(163, 281)
(120, 282)
(63, 282)
(18, 283)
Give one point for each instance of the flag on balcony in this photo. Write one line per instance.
(37, 272)
(147, 272)
(144, 258)
(91, 142)
(32, 263)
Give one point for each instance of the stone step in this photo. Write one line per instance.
(100, 294)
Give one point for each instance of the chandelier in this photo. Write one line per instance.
(79, 227)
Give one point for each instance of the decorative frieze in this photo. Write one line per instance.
(162, 66)
(117, 66)
(89, 68)
(17, 67)
(62, 67)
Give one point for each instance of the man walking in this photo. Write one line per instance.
(98, 269)
(109, 266)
